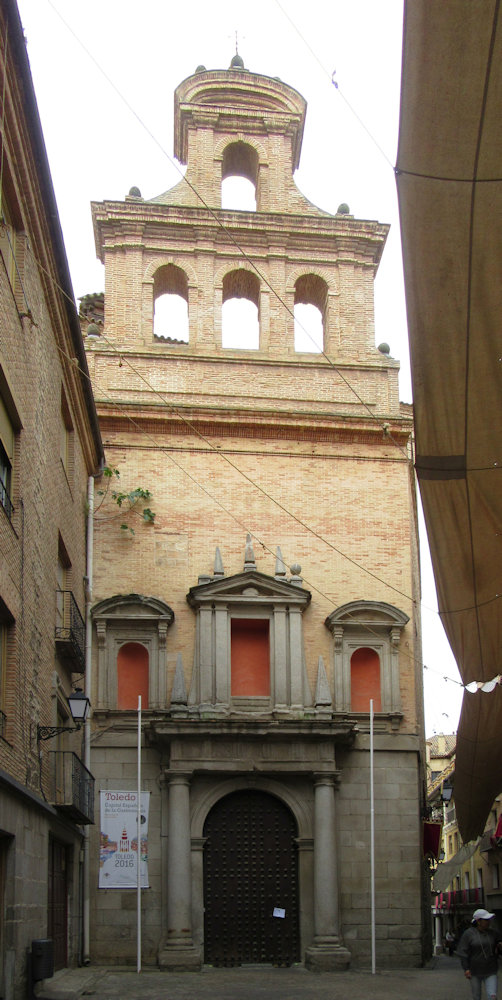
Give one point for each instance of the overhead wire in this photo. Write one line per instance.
(233, 516)
(229, 512)
(235, 242)
(216, 218)
(331, 76)
(123, 358)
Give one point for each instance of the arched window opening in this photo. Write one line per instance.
(170, 305)
(132, 676)
(239, 177)
(311, 294)
(240, 310)
(365, 680)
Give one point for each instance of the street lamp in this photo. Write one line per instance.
(446, 791)
(79, 707)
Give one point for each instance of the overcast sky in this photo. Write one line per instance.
(98, 147)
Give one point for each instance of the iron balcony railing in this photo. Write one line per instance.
(70, 629)
(3, 723)
(457, 898)
(5, 500)
(73, 789)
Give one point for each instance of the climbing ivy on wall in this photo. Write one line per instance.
(126, 502)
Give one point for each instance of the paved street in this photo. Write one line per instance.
(442, 980)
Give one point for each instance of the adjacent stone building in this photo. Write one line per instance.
(49, 446)
(276, 590)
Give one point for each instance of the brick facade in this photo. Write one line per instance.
(43, 489)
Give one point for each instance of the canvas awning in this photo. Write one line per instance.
(449, 177)
(446, 870)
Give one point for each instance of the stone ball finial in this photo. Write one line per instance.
(93, 330)
(296, 569)
(343, 209)
(200, 69)
(384, 349)
(237, 62)
(134, 192)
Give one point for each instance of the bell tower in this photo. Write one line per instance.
(287, 252)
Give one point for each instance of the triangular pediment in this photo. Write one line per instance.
(249, 587)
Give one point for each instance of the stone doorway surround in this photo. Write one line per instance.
(295, 763)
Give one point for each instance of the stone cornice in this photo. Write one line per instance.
(269, 425)
(237, 100)
(128, 224)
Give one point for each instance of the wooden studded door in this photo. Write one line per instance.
(250, 882)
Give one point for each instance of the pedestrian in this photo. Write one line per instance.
(478, 950)
(450, 941)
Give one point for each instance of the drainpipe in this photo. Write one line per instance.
(87, 731)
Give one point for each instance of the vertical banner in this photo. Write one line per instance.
(119, 841)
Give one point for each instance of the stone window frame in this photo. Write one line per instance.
(131, 618)
(249, 595)
(373, 625)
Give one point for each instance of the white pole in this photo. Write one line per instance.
(86, 922)
(372, 844)
(138, 842)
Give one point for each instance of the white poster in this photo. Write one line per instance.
(118, 848)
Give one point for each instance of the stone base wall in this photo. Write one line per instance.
(398, 861)
(397, 848)
(26, 826)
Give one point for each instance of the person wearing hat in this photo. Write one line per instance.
(478, 950)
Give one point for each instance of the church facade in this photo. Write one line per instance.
(270, 592)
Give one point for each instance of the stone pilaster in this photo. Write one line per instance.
(178, 951)
(327, 953)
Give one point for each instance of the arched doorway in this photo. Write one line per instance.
(250, 881)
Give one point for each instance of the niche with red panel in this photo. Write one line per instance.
(132, 675)
(250, 657)
(365, 680)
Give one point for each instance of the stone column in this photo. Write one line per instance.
(438, 943)
(178, 951)
(327, 952)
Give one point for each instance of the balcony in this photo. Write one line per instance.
(70, 632)
(3, 724)
(73, 788)
(459, 899)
